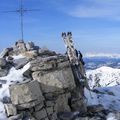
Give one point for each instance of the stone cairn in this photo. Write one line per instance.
(48, 91)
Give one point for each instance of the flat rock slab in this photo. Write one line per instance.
(25, 93)
(55, 81)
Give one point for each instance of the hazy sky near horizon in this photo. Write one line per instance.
(95, 24)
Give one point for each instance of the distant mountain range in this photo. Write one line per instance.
(96, 55)
(94, 62)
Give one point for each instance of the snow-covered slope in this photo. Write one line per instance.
(109, 97)
(103, 77)
(13, 77)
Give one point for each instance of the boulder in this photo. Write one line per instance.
(44, 64)
(24, 94)
(55, 81)
(20, 63)
(10, 110)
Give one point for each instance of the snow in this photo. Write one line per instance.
(2, 112)
(111, 116)
(103, 76)
(18, 57)
(12, 77)
(109, 97)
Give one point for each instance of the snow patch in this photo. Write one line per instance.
(18, 57)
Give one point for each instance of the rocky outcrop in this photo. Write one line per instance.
(49, 84)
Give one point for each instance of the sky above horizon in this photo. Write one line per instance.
(95, 24)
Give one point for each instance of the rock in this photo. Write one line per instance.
(16, 117)
(3, 62)
(43, 64)
(6, 100)
(77, 101)
(20, 63)
(53, 116)
(27, 74)
(49, 110)
(21, 46)
(46, 52)
(65, 115)
(10, 110)
(9, 59)
(50, 103)
(3, 81)
(23, 94)
(30, 54)
(62, 103)
(55, 81)
(30, 46)
(40, 114)
(4, 53)
(3, 72)
(95, 108)
(39, 106)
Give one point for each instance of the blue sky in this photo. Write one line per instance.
(95, 24)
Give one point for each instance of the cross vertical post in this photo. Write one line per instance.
(21, 11)
(21, 15)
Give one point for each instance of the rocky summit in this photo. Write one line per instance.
(39, 84)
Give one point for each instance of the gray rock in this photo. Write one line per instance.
(6, 100)
(21, 46)
(50, 103)
(9, 59)
(16, 117)
(30, 54)
(55, 81)
(46, 52)
(10, 110)
(65, 115)
(49, 110)
(39, 106)
(23, 94)
(95, 108)
(3, 62)
(3, 72)
(30, 46)
(40, 114)
(43, 64)
(62, 103)
(20, 63)
(4, 53)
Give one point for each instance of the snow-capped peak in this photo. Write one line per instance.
(103, 76)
